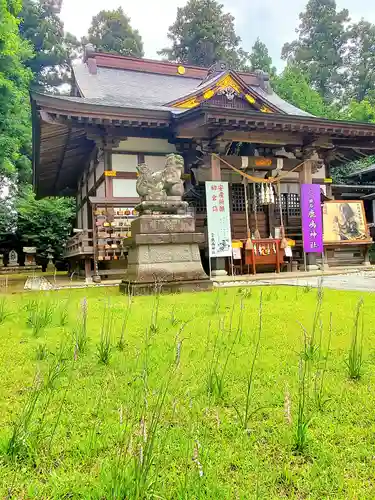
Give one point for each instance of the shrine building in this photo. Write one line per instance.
(123, 112)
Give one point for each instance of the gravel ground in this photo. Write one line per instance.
(362, 282)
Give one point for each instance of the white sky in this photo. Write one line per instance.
(274, 21)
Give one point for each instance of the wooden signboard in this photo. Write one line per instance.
(344, 222)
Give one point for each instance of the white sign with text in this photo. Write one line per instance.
(218, 219)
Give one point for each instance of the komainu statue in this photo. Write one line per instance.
(150, 185)
(173, 171)
(162, 191)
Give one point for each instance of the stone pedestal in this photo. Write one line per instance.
(164, 255)
(218, 267)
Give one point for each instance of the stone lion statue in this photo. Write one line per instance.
(161, 185)
(150, 185)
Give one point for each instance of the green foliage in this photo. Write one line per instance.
(15, 132)
(360, 60)
(361, 111)
(53, 49)
(145, 427)
(260, 58)
(111, 31)
(203, 34)
(44, 223)
(321, 46)
(340, 173)
(293, 86)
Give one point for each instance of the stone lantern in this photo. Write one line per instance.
(50, 265)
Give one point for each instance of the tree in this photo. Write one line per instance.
(44, 223)
(340, 173)
(360, 60)
(53, 49)
(15, 129)
(363, 111)
(111, 31)
(293, 86)
(320, 48)
(260, 58)
(203, 34)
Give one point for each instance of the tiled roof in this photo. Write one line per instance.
(114, 101)
(132, 86)
(277, 101)
(128, 88)
(365, 171)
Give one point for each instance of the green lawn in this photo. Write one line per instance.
(165, 418)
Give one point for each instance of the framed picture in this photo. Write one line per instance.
(344, 222)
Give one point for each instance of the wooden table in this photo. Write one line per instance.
(265, 252)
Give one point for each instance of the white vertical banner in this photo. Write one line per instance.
(218, 219)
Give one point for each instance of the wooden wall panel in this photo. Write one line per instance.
(239, 229)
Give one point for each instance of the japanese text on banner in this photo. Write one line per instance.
(312, 226)
(218, 219)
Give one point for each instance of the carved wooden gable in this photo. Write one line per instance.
(227, 92)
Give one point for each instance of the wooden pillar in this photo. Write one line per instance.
(88, 275)
(215, 168)
(305, 175)
(108, 179)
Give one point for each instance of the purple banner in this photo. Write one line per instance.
(312, 225)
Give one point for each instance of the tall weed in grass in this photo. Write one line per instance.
(4, 313)
(29, 430)
(20, 444)
(155, 313)
(173, 319)
(145, 460)
(354, 361)
(57, 367)
(63, 313)
(216, 304)
(220, 358)
(80, 332)
(41, 352)
(39, 315)
(121, 341)
(247, 411)
(311, 343)
(135, 468)
(311, 356)
(303, 418)
(104, 348)
(321, 371)
(59, 413)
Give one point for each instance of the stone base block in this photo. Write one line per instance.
(163, 224)
(19, 269)
(165, 239)
(171, 205)
(164, 262)
(144, 288)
